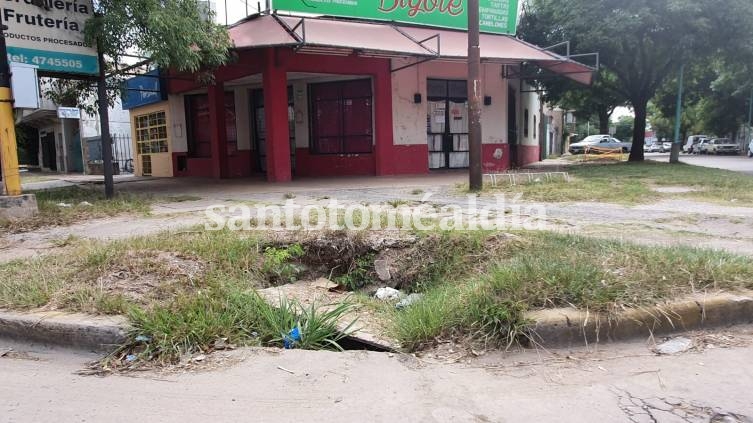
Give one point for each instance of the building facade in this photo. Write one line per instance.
(323, 97)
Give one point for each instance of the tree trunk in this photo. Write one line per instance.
(603, 120)
(639, 130)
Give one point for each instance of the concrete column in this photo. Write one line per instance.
(216, 94)
(383, 128)
(276, 119)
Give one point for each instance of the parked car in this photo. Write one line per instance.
(652, 148)
(721, 146)
(750, 149)
(693, 141)
(666, 147)
(595, 143)
(700, 148)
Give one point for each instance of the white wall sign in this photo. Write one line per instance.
(50, 37)
(25, 86)
(69, 113)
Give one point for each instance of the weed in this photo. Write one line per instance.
(289, 196)
(359, 274)
(417, 192)
(277, 263)
(399, 202)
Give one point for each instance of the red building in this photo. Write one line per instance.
(328, 97)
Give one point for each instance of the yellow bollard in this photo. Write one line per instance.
(8, 147)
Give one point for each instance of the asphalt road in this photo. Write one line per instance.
(611, 383)
(735, 163)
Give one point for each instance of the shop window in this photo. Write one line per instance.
(526, 122)
(341, 121)
(199, 129)
(151, 133)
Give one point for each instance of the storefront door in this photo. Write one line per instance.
(260, 128)
(447, 124)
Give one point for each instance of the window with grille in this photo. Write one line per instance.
(151, 133)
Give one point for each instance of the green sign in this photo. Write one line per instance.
(496, 16)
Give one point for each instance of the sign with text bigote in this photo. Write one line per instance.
(50, 36)
(496, 16)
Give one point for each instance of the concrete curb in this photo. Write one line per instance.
(80, 331)
(570, 327)
(552, 328)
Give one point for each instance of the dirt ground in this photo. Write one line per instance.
(611, 383)
(667, 222)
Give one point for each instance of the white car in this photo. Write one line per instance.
(599, 143)
(666, 147)
(750, 149)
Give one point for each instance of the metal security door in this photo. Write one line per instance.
(447, 124)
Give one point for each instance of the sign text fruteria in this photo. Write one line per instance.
(496, 16)
(51, 37)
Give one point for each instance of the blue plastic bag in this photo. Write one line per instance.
(291, 338)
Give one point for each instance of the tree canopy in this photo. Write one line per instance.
(172, 34)
(644, 42)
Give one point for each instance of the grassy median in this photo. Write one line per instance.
(186, 291)
(635, 183)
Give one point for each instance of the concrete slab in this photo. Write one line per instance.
(370, 329)
(18, 206)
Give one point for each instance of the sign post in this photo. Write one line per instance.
(674, 155)
(8, 147)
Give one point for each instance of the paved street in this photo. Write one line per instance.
(735, 163)
(617, 383)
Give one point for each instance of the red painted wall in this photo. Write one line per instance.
(528, 154)
(239, 165)
(307, 164)
(405, 160)
(195, 167)
(489, 163)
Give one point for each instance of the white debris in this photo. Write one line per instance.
(409, 301)
(388, 294)
(674, 346)
(64, 205)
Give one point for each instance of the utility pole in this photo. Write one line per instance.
(104, 123)
(750, 117)
(474, 97)
(8, 146)
(674, 155)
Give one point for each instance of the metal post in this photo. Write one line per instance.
(104, 123)
(474, 97)
(674, 156)
(8, 146)
(750, 118)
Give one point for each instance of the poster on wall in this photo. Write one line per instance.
(50, 36)
(496, 16)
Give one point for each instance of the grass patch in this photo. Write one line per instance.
(545, 270)
(64, 206)
(631, 183)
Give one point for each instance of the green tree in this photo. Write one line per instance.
(625, 128)
(644, 42)
(171, 34)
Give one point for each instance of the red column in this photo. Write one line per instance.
(216, 94)
(383, 120)
(276, 119)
